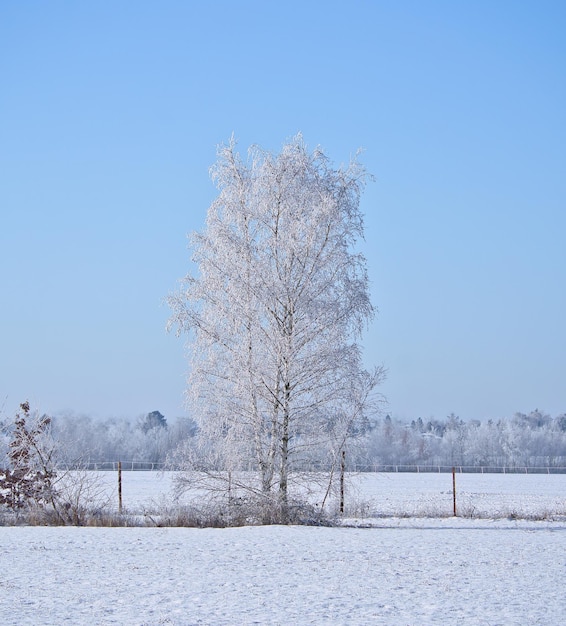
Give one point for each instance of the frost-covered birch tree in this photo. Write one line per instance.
(273, 317)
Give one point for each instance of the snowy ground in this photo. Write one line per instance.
(413, 570)
(396, 495)
(435, 573)
(477, 495)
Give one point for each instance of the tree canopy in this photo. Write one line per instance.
(274, 315)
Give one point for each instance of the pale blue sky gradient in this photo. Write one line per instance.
(110, 113)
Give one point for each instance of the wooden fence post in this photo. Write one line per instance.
(454, 489)
(120, 487)
(342, 470)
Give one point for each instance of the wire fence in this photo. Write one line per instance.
(148, 466)
(112, 466)
(461, 469)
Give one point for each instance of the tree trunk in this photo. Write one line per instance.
(284, 468)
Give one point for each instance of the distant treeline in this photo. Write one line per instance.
(83, 439)
(525, 440)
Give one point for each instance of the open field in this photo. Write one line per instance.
(422, 572)
(397, 494)
(408, 568)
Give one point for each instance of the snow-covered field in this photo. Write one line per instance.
(396, 495)
(415, 570)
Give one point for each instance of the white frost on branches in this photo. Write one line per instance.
(273, 316)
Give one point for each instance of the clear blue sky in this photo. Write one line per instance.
(110, 113)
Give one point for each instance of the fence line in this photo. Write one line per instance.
(460, 469)
(112, 466)
(145, 466)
